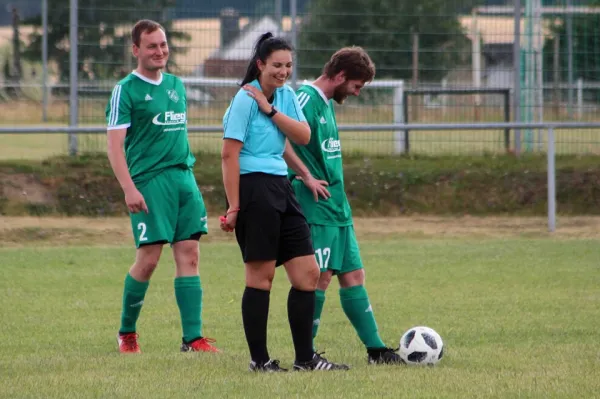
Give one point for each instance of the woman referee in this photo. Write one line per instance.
(268, 222)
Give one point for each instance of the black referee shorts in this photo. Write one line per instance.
(270, 223)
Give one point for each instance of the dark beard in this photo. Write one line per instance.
(339, 95)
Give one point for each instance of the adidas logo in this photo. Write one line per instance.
(148, 98)
(323, 365)
(369, 309)
(137, 305)
(323, 120)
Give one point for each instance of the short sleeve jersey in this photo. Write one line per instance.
(264, 143)
(154, 114)
(323, 158)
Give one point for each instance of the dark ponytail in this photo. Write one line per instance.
(265, 46)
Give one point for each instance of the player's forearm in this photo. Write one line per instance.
(230, 166)
(294, 161)
(116, 157)
(298, 132)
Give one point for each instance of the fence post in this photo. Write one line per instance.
(444, 97)
(294, 40)
(279, 16)
(551, 172)
(570, 56)
(579, 98)
(517, 73)
(507, 120)
(73, 92)
(405, 113)
(45, 60)
(398, 108)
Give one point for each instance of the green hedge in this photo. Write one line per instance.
(482, 185)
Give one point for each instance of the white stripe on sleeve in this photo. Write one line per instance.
(113, 116)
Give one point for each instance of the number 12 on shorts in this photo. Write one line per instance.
(323, 257)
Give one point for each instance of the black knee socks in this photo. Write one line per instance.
(255, 313)
(301, 308)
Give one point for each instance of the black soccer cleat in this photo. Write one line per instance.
(384, 356)
(272, 366)
(318, 362)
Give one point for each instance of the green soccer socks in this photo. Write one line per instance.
(356, 305)
(133, 299)
(188, 293)
(319, 302)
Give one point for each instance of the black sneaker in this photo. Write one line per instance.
(318, 362)
(272, 366)
(384, 356)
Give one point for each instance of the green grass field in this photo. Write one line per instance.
(518, 314)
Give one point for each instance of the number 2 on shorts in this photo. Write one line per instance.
(323, 254)
(142, 227)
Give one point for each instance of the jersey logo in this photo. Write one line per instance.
(173, 95)
(331, 145)
(170, 118)
(323, 120)
(148, 98)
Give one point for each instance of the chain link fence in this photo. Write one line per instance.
(437, 61)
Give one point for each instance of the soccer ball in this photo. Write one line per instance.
(421, 345)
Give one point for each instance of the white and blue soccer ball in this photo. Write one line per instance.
(421, 345)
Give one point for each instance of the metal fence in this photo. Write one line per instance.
(438, 62)
(400, 130)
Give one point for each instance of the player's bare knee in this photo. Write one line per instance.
(259, 282)
(304, 274)
(143, 268)
(146, 261)
(260, 275)
(304, 285)
(313, 278)
(187, 256)
(353, 278)
(149, 262)
(324, 280)
(267, 281)
(187, 266)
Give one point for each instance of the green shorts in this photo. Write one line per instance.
(336, 248)
(176, 210)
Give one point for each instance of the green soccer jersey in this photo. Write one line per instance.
(154, 114)
(323, 157)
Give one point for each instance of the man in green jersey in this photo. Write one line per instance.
(318, 172)
(150, 156)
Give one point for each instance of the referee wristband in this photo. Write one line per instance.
(232, 211)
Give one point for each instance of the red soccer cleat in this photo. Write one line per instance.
(128, 343)
(200, 345)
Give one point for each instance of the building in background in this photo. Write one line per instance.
(231, 58)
